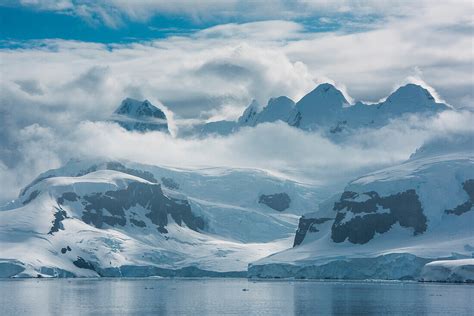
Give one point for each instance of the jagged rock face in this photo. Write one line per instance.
(278, 201)
(308, 224)
(170, 183)
(111, 207)
(467, 206)
(360, 216)
(134, 115)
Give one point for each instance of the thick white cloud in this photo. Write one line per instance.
(308, 157)
(49, 88)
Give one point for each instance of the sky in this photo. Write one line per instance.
(66, 65)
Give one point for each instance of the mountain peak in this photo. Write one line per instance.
(142, 116)
(325, 94)
(277, 109)
(411, 95)
(139, 109)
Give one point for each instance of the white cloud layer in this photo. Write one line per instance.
(49, 88)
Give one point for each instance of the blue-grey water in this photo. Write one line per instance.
(230, 297)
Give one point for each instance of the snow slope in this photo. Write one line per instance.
(390, 223)
(124, 219)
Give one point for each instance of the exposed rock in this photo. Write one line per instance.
(59, 216)
(32, 196)
(170, 183)
(109, 207)
(65, 249)
(359, 217)
(467, 206)
(141, 116)
(138, 223)
(37, 180)
(306, 224)
(83, 264)
(277, 201)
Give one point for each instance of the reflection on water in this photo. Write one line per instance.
(230, 296)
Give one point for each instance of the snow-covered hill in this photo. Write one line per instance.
(390, 223)
(141, 116)
(124, 219)
(326, 109)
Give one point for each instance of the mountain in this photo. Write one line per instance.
(249, 117)
(324, 103)
(402, 222)
(326, 109)
(277, 109)
(109, 218)
(141, 116)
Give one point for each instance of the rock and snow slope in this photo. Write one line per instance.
(390, 223)
(123, 219)
(141, 116)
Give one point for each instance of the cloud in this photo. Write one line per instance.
(284, 150)
(50, 88)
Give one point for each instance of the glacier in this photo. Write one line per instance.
(112, 218)
(397, 223)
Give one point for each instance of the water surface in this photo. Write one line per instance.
(230, 297)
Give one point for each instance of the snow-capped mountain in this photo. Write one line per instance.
(141, 116)
(124, 219)
(327, 110)
(277, 109)
(325, 103)
(249, 117)
(389, 224)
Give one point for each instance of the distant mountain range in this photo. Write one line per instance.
(326, 109)
(323, 109)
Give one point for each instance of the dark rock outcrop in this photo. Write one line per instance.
(308, 224)
(140, 116)
(278, 201)
(59, 216)
(360, 217)
(83, 264)
(467, 206)
(110, 207)
(31, 197)
(170, 183)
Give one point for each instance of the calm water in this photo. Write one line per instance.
(226, 296)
